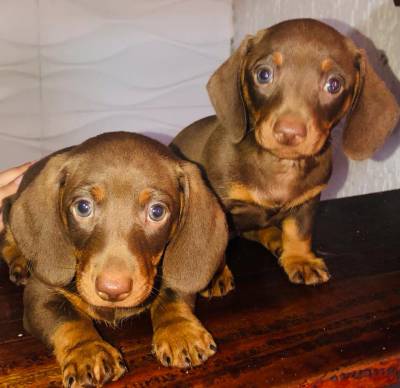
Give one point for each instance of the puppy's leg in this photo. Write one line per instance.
(179, 338)
(86, 360)
(221, 284)
(17, 263)
(297, 259)
(292, 245)
(270, 237)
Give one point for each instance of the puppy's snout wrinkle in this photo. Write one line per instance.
(288, 131)
(113, 286)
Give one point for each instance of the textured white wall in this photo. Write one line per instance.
(70, 69)
(374, 25)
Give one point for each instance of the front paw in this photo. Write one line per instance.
(308, 270)
(221, 284)
(92, 364)
(19, 271)
(183, 344)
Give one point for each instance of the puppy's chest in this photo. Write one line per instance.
(274, 191)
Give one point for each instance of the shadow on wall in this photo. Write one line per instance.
(379, 62)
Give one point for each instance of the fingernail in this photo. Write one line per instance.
(18, 180)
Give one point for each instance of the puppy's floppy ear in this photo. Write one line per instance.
(36, 224)
(373, 115)
(197, 248)
(225, 92)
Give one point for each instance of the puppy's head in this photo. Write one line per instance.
(293, 82)
(112, 214)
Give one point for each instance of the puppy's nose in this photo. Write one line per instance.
(288, 131)
(113, 286)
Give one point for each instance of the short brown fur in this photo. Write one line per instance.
(85, 217)
(266, 153)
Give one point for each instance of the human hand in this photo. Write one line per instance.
(9, 182)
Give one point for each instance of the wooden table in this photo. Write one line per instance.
(269, 332)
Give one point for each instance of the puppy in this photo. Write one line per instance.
(266, 153)
(110, 228)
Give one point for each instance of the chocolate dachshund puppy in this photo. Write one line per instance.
(105, 230)
(266, 153)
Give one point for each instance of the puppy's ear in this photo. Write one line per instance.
(225, 92)
(373, 114)
(197, 248)
(36, 223)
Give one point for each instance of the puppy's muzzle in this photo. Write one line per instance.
(289, 131)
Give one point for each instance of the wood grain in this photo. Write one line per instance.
(270, 333)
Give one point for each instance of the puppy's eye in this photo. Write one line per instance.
(83, 208)
(333, 85)
(265, 75)
(157, 212)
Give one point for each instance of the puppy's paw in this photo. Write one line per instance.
(19, 271)
(92, 364)
(221, 284)
(18, 265)
(308, 270)
(183, 344)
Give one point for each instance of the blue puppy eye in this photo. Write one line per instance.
(157, 212)
(333, 85)
(83, 208)
(265, 75)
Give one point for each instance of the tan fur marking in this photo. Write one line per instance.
(222, 283)
(326, 65)
(178, 334)
(9, 249)
(297, 259)
(98, 194)
(277, 58)
(69, 334)
(80, 350)
(291, 241)
(18, 265)
(309, 194)
(156, 259)
(79, 303)
(271, 238)
(144, 197)
(240, 192)
(176, 311)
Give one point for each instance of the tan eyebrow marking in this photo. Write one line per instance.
(326, 64)
(277, 57)
(98, 193)
(144, 197)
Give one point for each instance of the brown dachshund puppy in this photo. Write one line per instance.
(266, 153)
(112, 227)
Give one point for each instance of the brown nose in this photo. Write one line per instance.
(288, 131)
(113, 286)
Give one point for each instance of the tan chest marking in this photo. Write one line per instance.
(240, 192)
(304, 197)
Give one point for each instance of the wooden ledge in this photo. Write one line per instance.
(269, 332)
